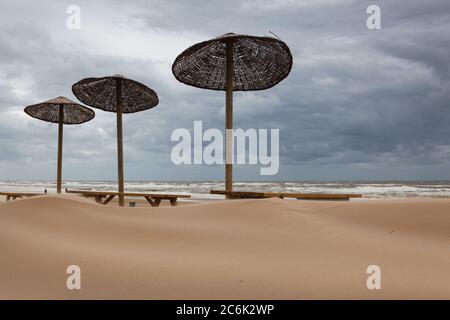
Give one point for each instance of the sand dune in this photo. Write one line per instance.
(240, 249)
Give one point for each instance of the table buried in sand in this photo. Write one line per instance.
(15, 195)
(282, 195)
(153, 199)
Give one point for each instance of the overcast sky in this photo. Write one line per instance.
(358, 104)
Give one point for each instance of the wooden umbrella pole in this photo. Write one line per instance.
(120, 142)
(60, 146)
(229, 118)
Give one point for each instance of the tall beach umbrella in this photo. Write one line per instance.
(233, 62)
(61, 111)
(120, 95)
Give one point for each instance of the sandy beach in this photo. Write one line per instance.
(240, 249)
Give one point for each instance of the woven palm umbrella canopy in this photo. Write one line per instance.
(120, 95)
(233, 62)
(62, 111)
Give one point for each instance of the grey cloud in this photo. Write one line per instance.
(358, 104)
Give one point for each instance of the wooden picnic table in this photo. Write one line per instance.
(299, 196)
(154, 199)
(15, 195)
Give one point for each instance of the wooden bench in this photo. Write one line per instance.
(299, 196)
(152, 198)
(15, 195)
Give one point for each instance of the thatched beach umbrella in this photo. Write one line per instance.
(233, 62)
(120, 95)
(62, 111)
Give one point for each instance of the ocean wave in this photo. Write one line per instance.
(200, 189)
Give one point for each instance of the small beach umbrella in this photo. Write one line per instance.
(120, 95)
(61, 111)
(233, 62)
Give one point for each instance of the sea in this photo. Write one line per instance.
(200, 189)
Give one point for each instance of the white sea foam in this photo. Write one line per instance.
(200, 189)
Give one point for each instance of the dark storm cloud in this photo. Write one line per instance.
(357, 104)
